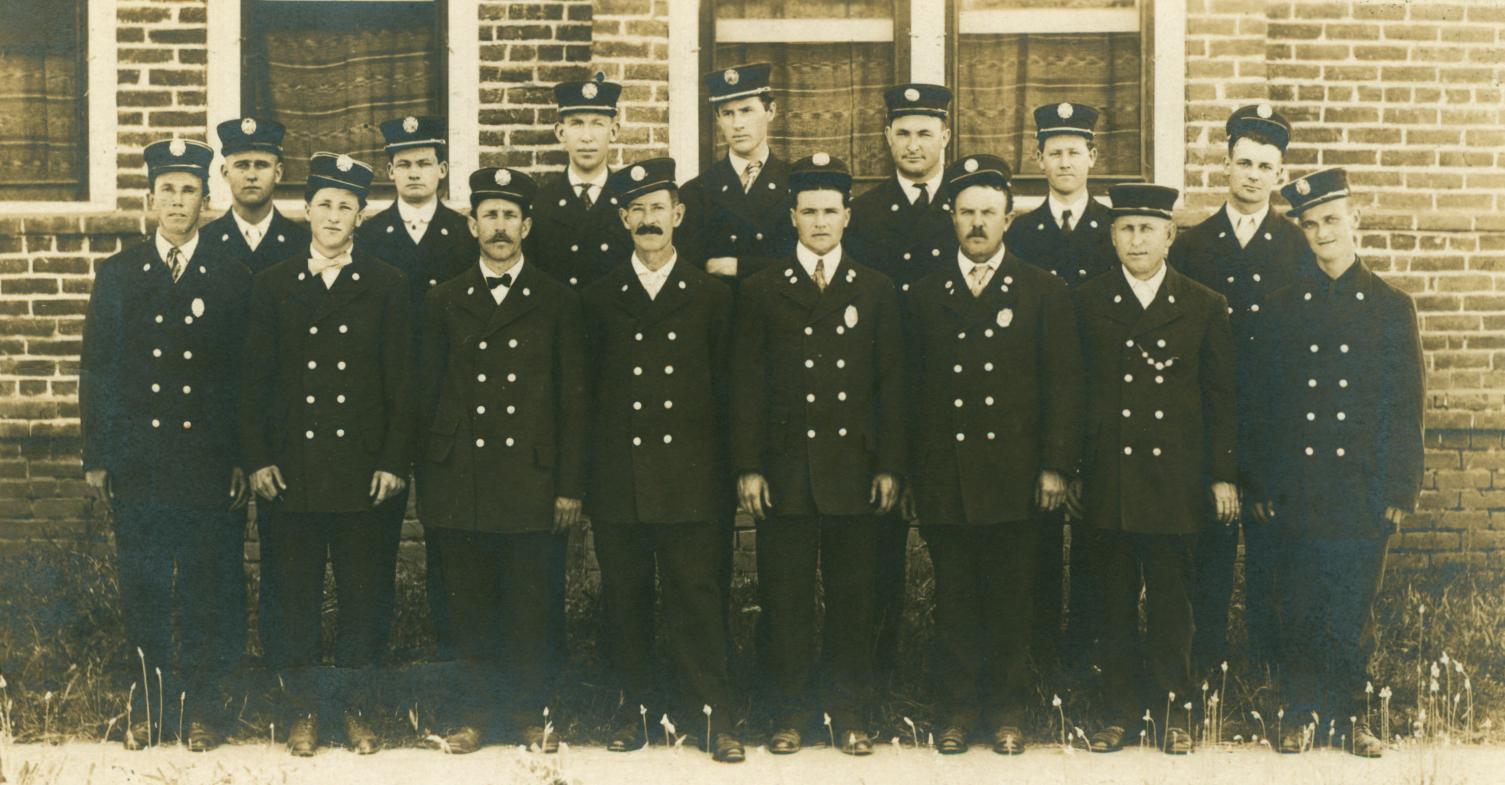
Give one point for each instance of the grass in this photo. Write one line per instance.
(61, 636)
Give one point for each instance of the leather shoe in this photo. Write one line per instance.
(202, 738)
(359, 734)
(1008, 741)
(138, 736)
(533, 736)
(1366, 744)
(952, 741)
(726, 748)
(627, 737)
(1109, 739)
(303, 739)
(1293, 741)
(857, 743)
(784, 741)
(1177, 741)
(462, 740)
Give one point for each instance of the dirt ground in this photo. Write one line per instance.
(97, 764)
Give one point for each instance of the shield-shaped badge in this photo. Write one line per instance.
(850, 317)
(197, 306)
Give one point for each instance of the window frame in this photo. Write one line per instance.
(101, 123)
(460, 43)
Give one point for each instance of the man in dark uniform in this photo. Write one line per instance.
(157, 399)
(997, 373)
(326, 417)
(1067, 236)
(503, 416)
(818, 445)
(1159, 428)
(1244, 251)
(254, 232)
(659, 335)
(577, 235)
(902, 230)
(430, 243)
(737, 214)
(1338, 459)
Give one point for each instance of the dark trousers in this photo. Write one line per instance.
(184, 563)
(689, 572)
(984, 577)
(1217, 552)
(389, 517)
(1162, 565)
(1328, 587)
(499, 588)
(789, 551)
(890, 586)
(1073, 643)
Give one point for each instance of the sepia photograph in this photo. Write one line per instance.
(831, 392)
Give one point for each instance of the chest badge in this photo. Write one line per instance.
(197, 306)
(850, 317)
(1005, 317)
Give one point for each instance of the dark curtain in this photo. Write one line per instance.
(42, 118)
(333, 71)
(1002, 78)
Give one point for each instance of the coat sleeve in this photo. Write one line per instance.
(239, 296)
(99, 370)
(748, 377)
(258, 377)
(892, 430)
(1219, 407)
(396, 454)
(913, 326)
(1064, 383)
(574, 402)
(433, 364)
(1401, 451)
(689, 240)
(1256, 388)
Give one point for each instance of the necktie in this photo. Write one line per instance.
(1065, 222)
(922, 201)
(318, 265)
(505, 279)
(820, 274)
(175, 263)
(1245, 229)
(750, 175)
(253, 237)
(977, 278)
(585, 195)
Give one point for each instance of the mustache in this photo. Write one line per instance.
(499, 237)
(649, 229)
(978, 232)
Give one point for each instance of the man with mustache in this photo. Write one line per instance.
(430, 243)
(503, 423)
(326, 420)
(901, 229)
(1246, 251)
(577, 236)
(1338, 460)
(1159, 446)
(659, 337)
(997, 372)
(157, 398)
(818, 443)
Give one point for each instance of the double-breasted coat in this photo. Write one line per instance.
(571, 243)
(895, 238)
(157, 375)
(446, 250)
(998, 392)
(1075, 258)
(721, 219)
(1339, 395)
(817, 398)
(284, 238)
(1160, 424)
(505, 407)
(327, 392)
(658, 404)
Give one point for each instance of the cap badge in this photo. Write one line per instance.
(730, 76)
(410, 124)
(639, 174)
(1303, 187)
(911, 95)
(1264, 110)
(588, 90)
(248, 126)
(503, 177)
(970, 165)
(177, 147)
(1064, 111)
(821, 159)
(344, 163)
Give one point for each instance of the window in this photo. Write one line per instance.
(43, 107)
(332, 70)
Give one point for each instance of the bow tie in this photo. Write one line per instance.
(318, 264)
(505, 279)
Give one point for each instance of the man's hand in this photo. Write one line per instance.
(268, 482)
(240, 490)
(906, 504)
(752, 495)
(385, 485)
(99, 483)
(566, 515)
(885, 493)
(1395, 515)
(1050, 492)
(722, 265)
(1073, 501)
(1225, 496)
(1264, 512)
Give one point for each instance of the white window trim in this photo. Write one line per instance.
(100, 87)
(462, 112)
(928, 64)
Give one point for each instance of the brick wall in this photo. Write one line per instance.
(1405, 94)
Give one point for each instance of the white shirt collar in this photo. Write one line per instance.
(164, 247)
(500, 293)
(1235, 215)
(653, 280)
(423, 214)
(739, 164)
(1145, 291)
(262, 227)
(992, 263)
(912, 188)
(576, 180)
(808, 258)
(1077, 207)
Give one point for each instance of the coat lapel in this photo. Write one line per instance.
(630, 296)
(674, 295)
(350, 284)
(1164, 309)
(840, 289)
(520, 300)
(797, 286)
